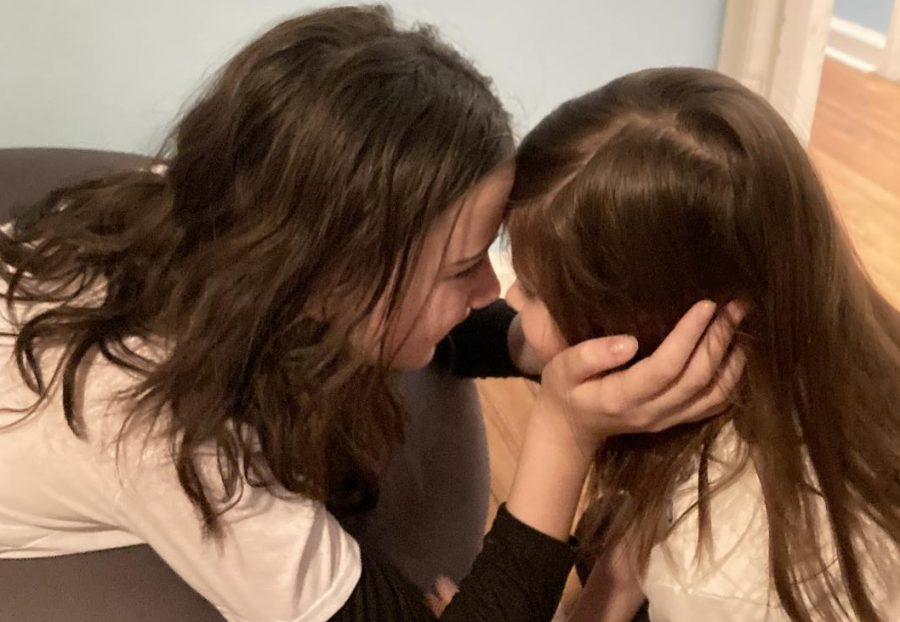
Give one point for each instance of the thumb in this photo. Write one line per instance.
(596, 356)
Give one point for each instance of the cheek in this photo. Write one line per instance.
(541, 332)
(416, 338)
(447, 307)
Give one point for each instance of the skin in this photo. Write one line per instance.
(453, 274)
(613, 592)
(580, 403)
(539, 330)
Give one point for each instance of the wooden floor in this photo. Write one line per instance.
(856, 147)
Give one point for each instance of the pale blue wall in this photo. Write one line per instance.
(874, 14)
(112, 74)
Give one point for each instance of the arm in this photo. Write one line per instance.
(613, 591)
(518, 576)
(579, 406)
(282, 557)
(489, 343)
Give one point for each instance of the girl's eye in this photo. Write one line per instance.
(469, 271)
(526, 291)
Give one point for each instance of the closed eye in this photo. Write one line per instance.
(527, 292)
(470, 270)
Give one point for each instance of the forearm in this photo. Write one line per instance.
(490, 343)
(518, 577)
(549, 477)
(612, 592)
(480, 346)
(526, 558)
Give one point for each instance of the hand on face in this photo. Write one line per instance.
(686, 379)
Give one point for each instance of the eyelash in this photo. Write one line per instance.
(469, 271)
(526, 292)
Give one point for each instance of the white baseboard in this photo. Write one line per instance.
(855, 45)
(850, 61)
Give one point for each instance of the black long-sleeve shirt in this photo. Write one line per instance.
(520, 573)
(478, 347)
(518, 577)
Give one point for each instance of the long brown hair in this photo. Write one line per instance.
(303, 179)
(672, 185)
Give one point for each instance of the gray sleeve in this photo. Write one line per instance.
(478, 347)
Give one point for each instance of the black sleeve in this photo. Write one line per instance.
(478, 347)
(518, 577)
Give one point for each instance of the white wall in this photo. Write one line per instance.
(874, 14)
(112, 74)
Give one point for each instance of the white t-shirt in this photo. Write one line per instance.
(284, 560)
(734, 583)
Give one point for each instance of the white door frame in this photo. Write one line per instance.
(776, 48)
(890, 66)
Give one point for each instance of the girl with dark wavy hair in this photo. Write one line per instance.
(201, 358)
(632, 201)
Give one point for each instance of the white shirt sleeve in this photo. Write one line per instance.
(279, 559)
(283, 559)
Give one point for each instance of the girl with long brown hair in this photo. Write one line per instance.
(201, 357)
(630, 202)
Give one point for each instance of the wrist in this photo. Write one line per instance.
(559, 428)
(549, 478)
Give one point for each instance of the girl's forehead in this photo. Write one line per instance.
(473, 223)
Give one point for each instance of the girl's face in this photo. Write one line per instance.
(541, 331)
(452, 276)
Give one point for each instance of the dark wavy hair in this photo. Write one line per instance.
(668, 186)
(304, 178)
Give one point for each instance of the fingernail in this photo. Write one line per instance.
(708, 307)
(624, 346)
